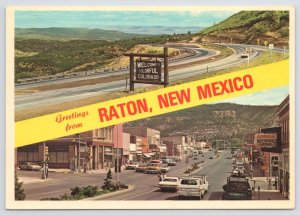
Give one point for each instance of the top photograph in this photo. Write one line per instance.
(65, 59)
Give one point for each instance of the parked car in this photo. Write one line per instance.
(229, 157)
(155, 162)
(233, 161)
(164, 168)
(131, 166)
(172, 163)
(239, 163)
(29, 166)
(192, 187)
(169, 183)
(210, 157)
(240, 168)
(153, 168)
(165, 159)
(141, 168)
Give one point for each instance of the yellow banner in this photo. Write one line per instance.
(151, 103)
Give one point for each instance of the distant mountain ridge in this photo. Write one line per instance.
(74, 33)
(109, 33)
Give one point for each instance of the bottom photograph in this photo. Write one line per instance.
(233, 150)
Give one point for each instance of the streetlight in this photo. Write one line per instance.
(117, 169)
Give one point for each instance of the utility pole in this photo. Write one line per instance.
(118, 163)
(78, 165)
(44, 161)
(270, 187)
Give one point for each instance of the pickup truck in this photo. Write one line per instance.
(189, 187)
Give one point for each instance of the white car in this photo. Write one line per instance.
(169, 183)
(190, 187)
(132, 166)
(164, 168)
(240, 168)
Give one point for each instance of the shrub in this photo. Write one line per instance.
(19, 192)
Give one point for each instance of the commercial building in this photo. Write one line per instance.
(284, 157)
(95, 149)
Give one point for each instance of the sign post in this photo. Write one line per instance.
(148, 71)
(271, 47)
(265, 43)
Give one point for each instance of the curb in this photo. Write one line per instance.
(131, 187)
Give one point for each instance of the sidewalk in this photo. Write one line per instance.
(268, 195)
(93, 171)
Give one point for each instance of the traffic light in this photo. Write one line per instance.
(46, 153)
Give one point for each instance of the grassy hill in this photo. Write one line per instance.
(248, 26)
(37, 57)
(214, 121)
(73, 33)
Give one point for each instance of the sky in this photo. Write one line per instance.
(268, 97)
(100, 19)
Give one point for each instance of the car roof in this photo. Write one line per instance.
(171, 177)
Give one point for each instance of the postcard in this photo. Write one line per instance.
(159, 107)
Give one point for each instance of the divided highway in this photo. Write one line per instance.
(52, 97)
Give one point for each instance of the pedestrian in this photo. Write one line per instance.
(46, 170)
(163, 176)
(159, 175)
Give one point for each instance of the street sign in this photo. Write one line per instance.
(266, 140)
(148, 70)
(271, 46)
(265, 42)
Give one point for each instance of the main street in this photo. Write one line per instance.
(145, 186)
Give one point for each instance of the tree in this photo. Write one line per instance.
(107, 181)
(19, 192)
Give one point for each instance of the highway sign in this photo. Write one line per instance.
(271, 46)
(266, 43)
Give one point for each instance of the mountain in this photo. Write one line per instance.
(73, 33)
(214, 121)
(249, 27)
(156, 30)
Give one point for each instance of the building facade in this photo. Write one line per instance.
(284, 157)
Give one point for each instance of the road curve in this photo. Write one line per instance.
(52, 97)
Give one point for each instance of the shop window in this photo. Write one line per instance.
(58, 154)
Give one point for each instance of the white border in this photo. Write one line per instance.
(12, 204)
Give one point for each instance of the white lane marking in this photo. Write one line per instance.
(139, 195)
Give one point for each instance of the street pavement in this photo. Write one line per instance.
(145, 186)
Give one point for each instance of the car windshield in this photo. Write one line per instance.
(143, 165)
(189, 182)
(171, 179)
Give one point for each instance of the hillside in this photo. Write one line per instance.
(249, 27)
(38, 57)
(214, 121)
(73, 33)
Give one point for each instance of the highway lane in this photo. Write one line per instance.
(52, 97)
(198, 54)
